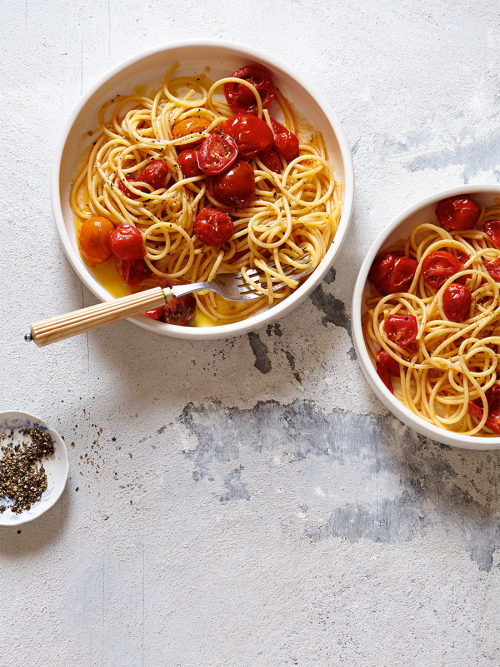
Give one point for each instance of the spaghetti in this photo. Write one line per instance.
(286, 228)
(436, 330)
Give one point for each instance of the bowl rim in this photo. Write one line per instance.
(391, 402)
(25, 517)
(263, 317)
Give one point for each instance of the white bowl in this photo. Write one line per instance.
(148, 69)
(56, 468)
(399, 228)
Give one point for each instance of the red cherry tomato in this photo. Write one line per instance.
(240, 98)
(154, 174)
(391, 272)
(401, 329)
(252, 134)
(94, 239)
(235, 188)
(154, 313)
(493, 269)
(385, 366)
(188, 162)
(458, 212)
(178, 310)
(285, 141)
(456, 302)
(213, 227)
(216, 154)
(134, 271)
(126, 242)
(271, 160)
(438, 266)
(493, 398)
(492, 229)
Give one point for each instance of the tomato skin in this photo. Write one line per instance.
(438, 266)
(154, 313)
(187, 126)
(457, 212)
(188, 162)
(493, 398)
(126, 242)
(251, 134)
(240, 98)
(94, 239)
(392, 272)
(285, 141)
(154, 174)
(386, 365)
(235, 188)
(216, 154)
(401, 329)
(213, 227)
(492, 229)
(493, 269)
(271, 160)
(457, 299)
(134, 271)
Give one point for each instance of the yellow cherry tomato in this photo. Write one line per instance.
(94, 239)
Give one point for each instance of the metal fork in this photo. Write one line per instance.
(230, 286)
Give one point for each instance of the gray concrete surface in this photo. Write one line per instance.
(249, 501)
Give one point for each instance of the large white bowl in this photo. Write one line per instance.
(399, 228)
(148, 69)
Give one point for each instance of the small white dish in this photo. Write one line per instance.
(147, 70)
(399, 228)
(56, 467)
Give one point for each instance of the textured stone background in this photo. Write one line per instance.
(258, 506)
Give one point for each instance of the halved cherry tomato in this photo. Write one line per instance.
(216, 154)
(188, 162)
(392, 272)
(251, 133)
(401, 329)
(187, 126)
(240, 98)
(492, 229)
(213, 227)
(456, 302)
(235, 188)
(385, 366)
(438, 266)
(493, 398)
(458, 212)
(94, 239)
(126, 242)
(154, 174)
(493, 269)
(285, 141)
(134, 271)
(271, 160)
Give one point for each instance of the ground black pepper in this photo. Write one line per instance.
(22, 481)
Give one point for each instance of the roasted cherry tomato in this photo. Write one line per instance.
(493, 269)
(386, 365)
(213, 227)
(438, 266)
(134, 271)
(94, 239)
(188, 162)
(126, 242)
(178, 310)
(251, 133)
(492, 229)
(216, 154)
(154, 313)
(154, 174)
(391, 272)
(456, 302)
(285, 141)
(187, 126)
(493, 398)
(458, 212)
(401, 329)
(271, 160)
(235, 188)
(240, 98)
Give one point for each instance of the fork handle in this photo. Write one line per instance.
(64, 326)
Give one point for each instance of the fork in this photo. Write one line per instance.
(230, 286)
